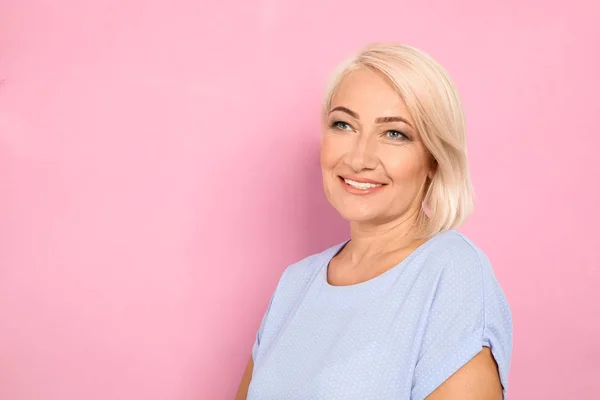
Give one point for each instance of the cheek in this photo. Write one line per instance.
(331, 152)
(406, 166)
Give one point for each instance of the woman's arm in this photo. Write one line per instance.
(243, 389)
(476, 380)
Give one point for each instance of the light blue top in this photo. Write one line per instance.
(396, 336)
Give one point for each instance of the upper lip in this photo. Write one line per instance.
(362, 180)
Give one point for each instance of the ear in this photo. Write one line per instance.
(432, 168)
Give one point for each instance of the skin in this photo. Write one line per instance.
(242, 392)
(368, 134)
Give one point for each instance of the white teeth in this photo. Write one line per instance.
(361, 185)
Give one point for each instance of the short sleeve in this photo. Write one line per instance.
(259, 333)
(468, 311)
(288, 288)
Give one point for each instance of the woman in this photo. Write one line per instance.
(408, 308)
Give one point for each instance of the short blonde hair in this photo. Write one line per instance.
(435, 106)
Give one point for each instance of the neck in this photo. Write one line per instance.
(374, 240)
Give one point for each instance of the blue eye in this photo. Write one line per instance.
(395, 135)
(341, 125)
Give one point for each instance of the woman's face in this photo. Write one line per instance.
(373, 162)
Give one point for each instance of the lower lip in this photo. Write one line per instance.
(353, 190)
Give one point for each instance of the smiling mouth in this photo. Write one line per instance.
(361, 185)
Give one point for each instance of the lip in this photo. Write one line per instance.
(361, 180)
(360, 192)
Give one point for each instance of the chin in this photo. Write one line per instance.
(360, 215)
(357, 209)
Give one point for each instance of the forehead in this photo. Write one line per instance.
(370, 95)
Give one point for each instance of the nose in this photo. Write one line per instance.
(362, 155)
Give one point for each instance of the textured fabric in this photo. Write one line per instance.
(397, 336)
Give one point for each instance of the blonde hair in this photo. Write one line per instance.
(436, 109)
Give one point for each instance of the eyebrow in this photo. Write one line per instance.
(380, 120)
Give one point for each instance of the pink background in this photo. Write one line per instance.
(159, 170)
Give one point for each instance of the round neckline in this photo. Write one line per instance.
(375, 281)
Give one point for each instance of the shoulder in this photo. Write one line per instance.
(453, 256)
(298, 275)
(463, 280)
(453, 247)
(311, 264)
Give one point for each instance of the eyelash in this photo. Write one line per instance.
(336, 125)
